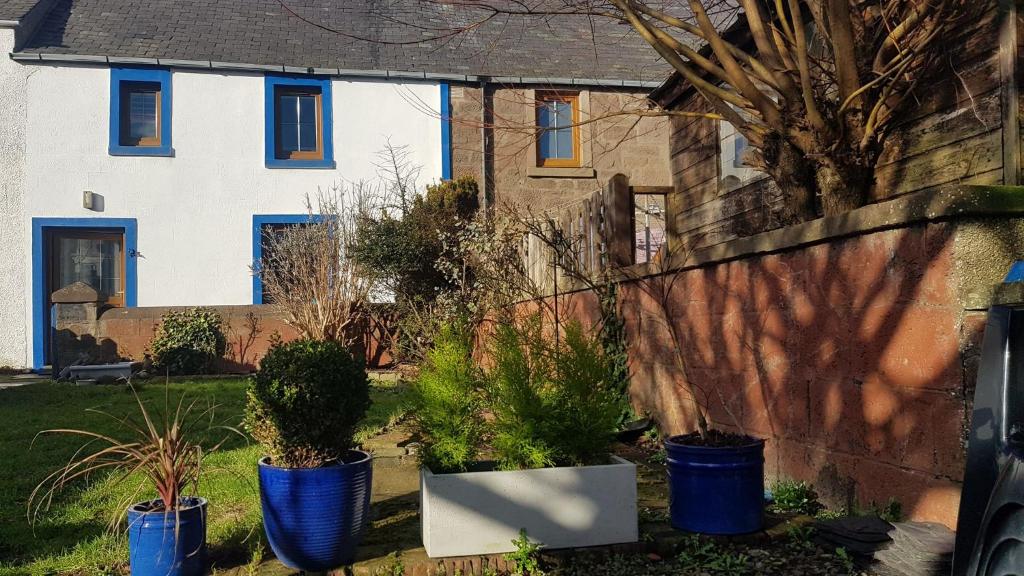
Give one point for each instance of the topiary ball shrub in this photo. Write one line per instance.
(188, 341)
(305, 402)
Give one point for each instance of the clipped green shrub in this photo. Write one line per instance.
(188, 341)
(305, 402)
(447, 403)
(403, 251)
(553, 404)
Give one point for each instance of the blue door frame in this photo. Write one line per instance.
(39, 269)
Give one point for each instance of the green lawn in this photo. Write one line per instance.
(73, 536)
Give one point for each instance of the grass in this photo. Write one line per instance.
(73, 536)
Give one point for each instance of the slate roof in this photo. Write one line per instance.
(398, 35)
(15, 9)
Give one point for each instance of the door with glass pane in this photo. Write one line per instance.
(90, 256)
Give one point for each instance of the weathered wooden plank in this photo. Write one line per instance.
(697, 174)
(619, 220)
(950, 163)
(968, 80)
(697, 151)
(735, 202)
(693, 136)
(651, 189)
(943, 129)
(702, 193)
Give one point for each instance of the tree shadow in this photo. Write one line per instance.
(853, 357)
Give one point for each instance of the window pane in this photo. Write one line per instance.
(94, 261)
(545, 115)
(547, 144)
(564, 149)
(307, 137)
(564, 114)
(289, 135)
(557, 141)
(288, 109)
(142, 114)
(307, 108)
(740, 150)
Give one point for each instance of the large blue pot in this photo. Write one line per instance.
(716, 490)
(167, 543)
(315, 517)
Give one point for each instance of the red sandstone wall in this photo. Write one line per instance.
(849, 357)
(131, 329)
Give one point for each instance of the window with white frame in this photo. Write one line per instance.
(733, 168)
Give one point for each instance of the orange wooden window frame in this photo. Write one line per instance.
(317, 154)
(574, 101)
(126, 114)
(115, 300)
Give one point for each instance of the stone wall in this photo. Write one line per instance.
(125, 333)
(635, 147)
(850, 344)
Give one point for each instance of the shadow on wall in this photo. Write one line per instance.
(854, 358)
(125, 334)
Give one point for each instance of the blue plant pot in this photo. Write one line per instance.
(165, 543)
(315, 517)
(716, 490)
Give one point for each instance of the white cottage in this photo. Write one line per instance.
(144, 144)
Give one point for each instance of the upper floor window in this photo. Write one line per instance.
(140, 112)
(558, 134)
(298, 123)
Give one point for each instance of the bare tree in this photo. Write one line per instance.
(815, 86)
(308, 273)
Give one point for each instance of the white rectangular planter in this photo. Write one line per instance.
(472, 513)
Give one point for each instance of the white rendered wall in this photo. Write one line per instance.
(194, 211)
(14, 329)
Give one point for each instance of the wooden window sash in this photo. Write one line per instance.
(574, 101)
(318, 153)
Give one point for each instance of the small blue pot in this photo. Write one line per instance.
(315, 517)
(716, 490)
(167, 543)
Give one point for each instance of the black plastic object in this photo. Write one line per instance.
(990, 528)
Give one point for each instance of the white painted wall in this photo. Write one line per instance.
(194, 210)
(14, 330)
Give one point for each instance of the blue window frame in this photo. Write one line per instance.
(40, 226)
(298, 122)
(140, 112)
(261, 225)
(446, 131)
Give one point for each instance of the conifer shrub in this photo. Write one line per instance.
(447, 402)
(548, 403)
(554, 404)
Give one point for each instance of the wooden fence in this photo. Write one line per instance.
(593, 235)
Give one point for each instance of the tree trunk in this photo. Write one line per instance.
(841, 189)
(794, 174)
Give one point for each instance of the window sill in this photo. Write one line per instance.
(545, 172)
(165, 151)
(310, 164)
